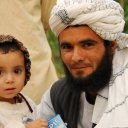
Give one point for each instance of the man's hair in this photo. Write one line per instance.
(9, 43)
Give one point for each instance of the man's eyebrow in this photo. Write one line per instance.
(87, 41)
(64, 43)
(83, 41)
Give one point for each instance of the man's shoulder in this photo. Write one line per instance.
(58, 84)
(58, 88)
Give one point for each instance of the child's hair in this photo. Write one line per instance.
(9, 43)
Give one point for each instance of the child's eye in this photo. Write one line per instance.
(1, 72)
(18, 71)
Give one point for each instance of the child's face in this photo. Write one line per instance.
(12, 74)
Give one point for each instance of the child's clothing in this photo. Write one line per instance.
(14, 115)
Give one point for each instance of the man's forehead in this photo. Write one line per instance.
(78, 33)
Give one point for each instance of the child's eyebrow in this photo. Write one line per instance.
(19, 66)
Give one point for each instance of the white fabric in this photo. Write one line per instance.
(100, 105)
(46, 110)
(86, 111)
(14, 124)
(13, 115)
(105, 17)
(116, 114)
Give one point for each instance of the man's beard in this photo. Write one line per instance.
(96, 80)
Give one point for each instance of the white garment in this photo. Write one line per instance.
(116, 114)
(86, 111)
(13, 115)
(46, 110)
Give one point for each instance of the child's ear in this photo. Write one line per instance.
(113, 45)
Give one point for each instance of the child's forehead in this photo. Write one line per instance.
(12, 53)
(11, 59)
(11, 49)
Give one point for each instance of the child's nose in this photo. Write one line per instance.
(9, 78)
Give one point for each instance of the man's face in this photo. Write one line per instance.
(82, 50)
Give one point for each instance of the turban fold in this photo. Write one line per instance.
(105, 17)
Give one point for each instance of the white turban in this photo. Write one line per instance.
(105, 17)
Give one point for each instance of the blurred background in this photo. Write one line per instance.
(55, 47)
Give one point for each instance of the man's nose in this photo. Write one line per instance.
(77, 55)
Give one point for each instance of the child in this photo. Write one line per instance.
(16, 110)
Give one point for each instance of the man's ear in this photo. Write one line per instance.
(113, 45)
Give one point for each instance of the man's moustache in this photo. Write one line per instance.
(80, 65)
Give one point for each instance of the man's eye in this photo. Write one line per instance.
(66, 46)
(88, 44)
(18, 71)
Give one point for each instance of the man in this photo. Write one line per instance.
(22, 19)
(94, 51)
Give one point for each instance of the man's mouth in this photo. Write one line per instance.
(80, 66)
